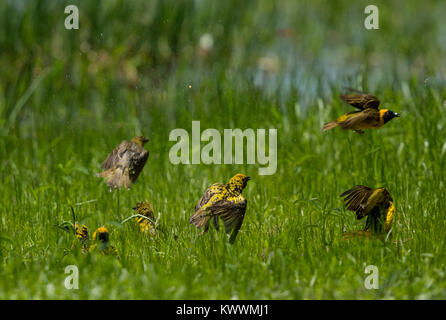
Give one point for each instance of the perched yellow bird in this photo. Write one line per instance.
(101, 239)
(224, 201)
(145, 225)
(376, 204)
(368, 116)
(124, 164)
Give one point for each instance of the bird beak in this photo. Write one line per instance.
(134, 208)
(248, 178)
(146, 140)
(397, 115)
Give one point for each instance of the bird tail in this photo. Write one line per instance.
(116, 177)
(200, 218)
(330, 125)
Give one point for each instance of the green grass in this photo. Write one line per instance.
(67, 98)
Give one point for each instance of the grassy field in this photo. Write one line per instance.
(68, 97)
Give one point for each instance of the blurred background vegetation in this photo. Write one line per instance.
(67, 97)
(131, 51)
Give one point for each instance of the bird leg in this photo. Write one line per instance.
(216, 224)
(206, 228)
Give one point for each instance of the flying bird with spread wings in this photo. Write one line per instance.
(368, 116)
(124, 164)
(375, 204)
(223, 201)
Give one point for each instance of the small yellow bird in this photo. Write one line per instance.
(82, 237)
(376, 204)
(101, 239)
(224, 201)
(124, 164)
(145, 209)
(368, 116)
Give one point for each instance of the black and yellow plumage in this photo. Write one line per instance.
(368, 116)
(147, 224)
(82, 237)
(375, 204)
(101, 242)
(124, 164)
(225, 202)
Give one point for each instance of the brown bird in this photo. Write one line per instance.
(224, 201)
(124, 164)
(376, 204)
(368, 116)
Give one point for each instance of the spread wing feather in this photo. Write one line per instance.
(214, 205)
(356, 197)
(232, 215)
(237, 226)
(361, 100)
(114, 157)
(124, 164)
(137, 161)
(202, 217)
(362, 199)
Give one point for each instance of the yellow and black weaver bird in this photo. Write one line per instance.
(101, 239)
(82, 237)
(224, 201)
(124, 164)
(376, 204)
(368, 116)
(145, 209)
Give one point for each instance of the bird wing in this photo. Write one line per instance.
(115, 156)
(232, 212)
(211, 191)
(378, 198)
(354, 197)
(138, 158)
(362, 199)
(369, 116)
(361, 100)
